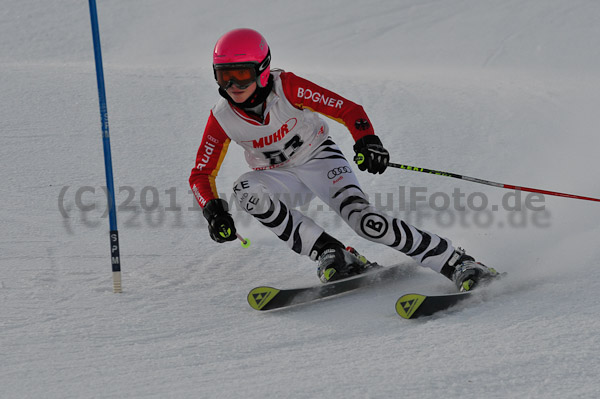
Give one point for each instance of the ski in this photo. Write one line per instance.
(269, 298)
(412, 306)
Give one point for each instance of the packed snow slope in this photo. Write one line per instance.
(507, 91)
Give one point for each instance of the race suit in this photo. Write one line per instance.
(293, 159)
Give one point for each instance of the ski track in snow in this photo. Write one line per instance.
(507, 92)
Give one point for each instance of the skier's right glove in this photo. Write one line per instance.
(220, 223)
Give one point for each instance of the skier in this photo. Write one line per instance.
(272, 114)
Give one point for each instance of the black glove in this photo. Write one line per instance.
(220, 224)
(370, 154)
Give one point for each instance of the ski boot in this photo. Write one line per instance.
(466, 273)
(337, 263)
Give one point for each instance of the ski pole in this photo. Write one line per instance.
(489, 183)
(245, 241)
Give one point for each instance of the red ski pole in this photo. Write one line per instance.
(490, 183)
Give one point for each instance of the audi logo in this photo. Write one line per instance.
(338, 171)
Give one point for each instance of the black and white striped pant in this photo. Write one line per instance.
(271, 195)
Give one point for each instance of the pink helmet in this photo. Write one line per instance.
(244, 46)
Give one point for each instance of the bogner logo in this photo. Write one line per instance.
(279, 135)
(317, 97)
(374, 225)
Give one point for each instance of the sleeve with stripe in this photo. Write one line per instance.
(209, 158)
(304, 94)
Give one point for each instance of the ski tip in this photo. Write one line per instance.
(407, 305)
(259, 297)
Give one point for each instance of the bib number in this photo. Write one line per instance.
(289, 149)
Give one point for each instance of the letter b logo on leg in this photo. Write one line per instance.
(374, 225)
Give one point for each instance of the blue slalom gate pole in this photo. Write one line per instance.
(114, 234)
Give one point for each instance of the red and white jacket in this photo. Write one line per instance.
(288, 136)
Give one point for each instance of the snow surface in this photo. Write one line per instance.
(507, 91)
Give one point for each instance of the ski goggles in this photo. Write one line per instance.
(241, 75)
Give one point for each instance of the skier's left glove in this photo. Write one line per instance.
(220, 223)
(370, 154)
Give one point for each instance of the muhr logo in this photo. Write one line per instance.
(279, 135)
